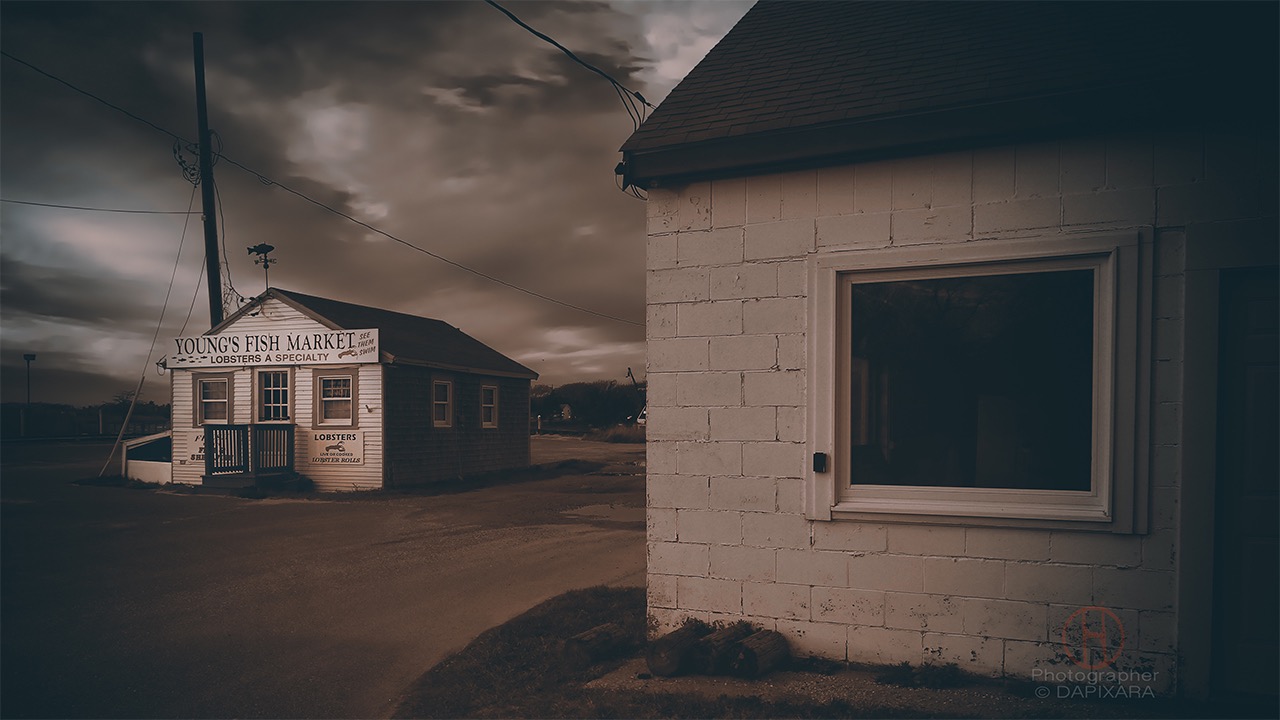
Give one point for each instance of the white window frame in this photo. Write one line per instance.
(1116, 500)
(349, 374)
(258, 405)
(492, 423)
(448, 403)
(197, 382)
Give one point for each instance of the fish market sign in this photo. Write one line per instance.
(286, 347)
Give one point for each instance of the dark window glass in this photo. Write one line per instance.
(983, 381)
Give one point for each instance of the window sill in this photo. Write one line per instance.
(1040, 509)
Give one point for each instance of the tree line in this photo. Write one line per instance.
(599, 404)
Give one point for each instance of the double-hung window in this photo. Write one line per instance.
(1002, 380)
(442, 403)
(212, 399)
(336, 402)
(489, 406)
(273, 396)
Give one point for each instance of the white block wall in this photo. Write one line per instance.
(727, 371)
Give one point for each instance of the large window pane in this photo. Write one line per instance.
(982, 381)
(273, 389)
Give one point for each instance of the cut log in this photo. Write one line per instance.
(761, 653)
(594, 645)
(670, 654)
(715, 653)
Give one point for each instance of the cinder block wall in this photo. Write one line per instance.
(727, 314)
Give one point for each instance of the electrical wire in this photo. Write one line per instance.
(624, 93)
(86, 93)
(146, 362)
(627, 96)
(226, 264)
(532, 293)
(98, 209)
(194, 295)
(268, 181)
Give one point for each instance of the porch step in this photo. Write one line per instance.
(282, 480)
(233, 481)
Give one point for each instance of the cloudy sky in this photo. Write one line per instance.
(442, 123)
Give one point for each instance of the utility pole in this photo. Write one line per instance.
(26, 408)
(207, 199)
(29, 357)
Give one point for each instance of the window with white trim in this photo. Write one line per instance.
(489, 406)
(442, 403)
(273, 396)
(213, 400)
(1003, 381)
(336, 398)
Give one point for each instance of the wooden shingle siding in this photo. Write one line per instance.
(421, 454)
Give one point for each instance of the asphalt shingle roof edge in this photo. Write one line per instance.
(403, 338)
(822, 82)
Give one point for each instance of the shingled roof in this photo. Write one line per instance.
(401, 337)
(797, 82)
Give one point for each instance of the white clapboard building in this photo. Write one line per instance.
(350, 396)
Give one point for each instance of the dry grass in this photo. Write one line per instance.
(515, 671)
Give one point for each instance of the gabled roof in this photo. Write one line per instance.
(797, 82)
(402, 338)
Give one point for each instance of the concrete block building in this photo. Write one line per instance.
(962, 337)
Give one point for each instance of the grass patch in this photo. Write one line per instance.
(516, 671)
(618, 434)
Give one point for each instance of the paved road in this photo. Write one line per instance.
(129, 603)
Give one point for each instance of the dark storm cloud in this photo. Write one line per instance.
(442, 123)
(57, 295)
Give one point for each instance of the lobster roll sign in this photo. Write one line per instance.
(336, 447)
(285, 347)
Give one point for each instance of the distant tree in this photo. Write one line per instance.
(122, 398)
(602, 403)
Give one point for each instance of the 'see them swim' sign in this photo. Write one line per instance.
(285, 347)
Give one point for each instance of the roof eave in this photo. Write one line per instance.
(401, 360)
(928, 131)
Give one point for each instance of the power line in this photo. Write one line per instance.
(98, 209)
(86, 93)
(533, 293)
(194, 296)
(624, 93)
(146, 362)
(268, 181)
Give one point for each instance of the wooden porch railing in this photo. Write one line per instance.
(243, 449)
(272, 448)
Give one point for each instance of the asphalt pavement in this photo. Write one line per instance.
(117, 602)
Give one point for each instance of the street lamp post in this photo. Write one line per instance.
(28, 357)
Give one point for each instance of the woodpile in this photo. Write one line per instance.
(760, 654)
(672, 654)
(598, 643)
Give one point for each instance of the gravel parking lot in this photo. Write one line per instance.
(134, 603)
